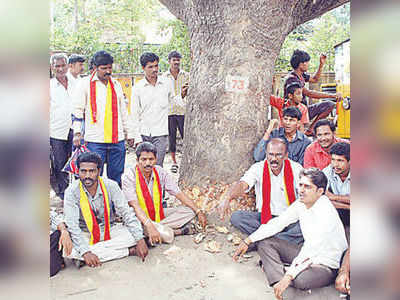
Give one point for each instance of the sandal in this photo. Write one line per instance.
(174, 168)
(188, 229)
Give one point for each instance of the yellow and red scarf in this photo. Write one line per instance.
(111, 111)
(266, 189)
(151, 206)
(90, 218)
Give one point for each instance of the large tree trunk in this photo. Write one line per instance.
(234, 47)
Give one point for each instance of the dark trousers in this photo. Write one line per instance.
(113, 155)
(275, 253)
(319, 108)
(60, 152)
(175, 122)
(56, 259)
(249, 221)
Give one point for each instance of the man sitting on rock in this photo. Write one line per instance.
(90, 220)
(144, 186)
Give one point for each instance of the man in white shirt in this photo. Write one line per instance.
(75, 69)
(151, 98)
(275, 180)
(60, 123)
(99, 100)
(76, 66)
(313, 264)
(176, 117)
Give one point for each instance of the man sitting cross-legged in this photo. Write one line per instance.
(315, 263)
(87, 207)
(143, 186)
(275, 181)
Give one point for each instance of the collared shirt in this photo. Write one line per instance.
(76, 223)
(254, 177)
(280, 104)
(296, 147)
(94, 132)
(317, 157)
(60, 109)
(323, 232)
(150, 106)
(166, 181)
(183, 77)
(335, 183)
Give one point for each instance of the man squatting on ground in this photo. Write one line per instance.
(313, 264)
(90, 220)
(144, 186)
(275, 180)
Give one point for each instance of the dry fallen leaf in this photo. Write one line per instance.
(199, 238)
(212, 246)
(222, 229)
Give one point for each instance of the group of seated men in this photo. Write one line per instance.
(301, 224)
(88, 231)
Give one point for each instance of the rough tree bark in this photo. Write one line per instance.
(234, 47)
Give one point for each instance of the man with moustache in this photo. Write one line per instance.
(296, 140)
(96, 237)
(143, 186)
(99, 100)
(313, 264)
(60, 123)
(151, 98)
(275, 180)
(338, 174)
(176, 116)
(317, 153)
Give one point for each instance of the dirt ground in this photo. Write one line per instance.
(179, 271)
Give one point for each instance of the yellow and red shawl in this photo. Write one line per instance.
(151, 206)
(266, 189)
(111, 111)
(90, 218)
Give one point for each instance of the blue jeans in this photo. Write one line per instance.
(113, 155)
(249, 221)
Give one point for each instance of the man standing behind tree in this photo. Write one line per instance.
(300, 61)
(176, 117)
(99, 100)
(60, 123)
(151, 98)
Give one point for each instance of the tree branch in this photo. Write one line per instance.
(306, 10)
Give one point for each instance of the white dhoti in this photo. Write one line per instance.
(175, 217)
(114, 248)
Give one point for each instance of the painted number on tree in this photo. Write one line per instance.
(236, 84)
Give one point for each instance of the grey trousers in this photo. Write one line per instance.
(249, 221)
(275, 253)
(161, 143)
